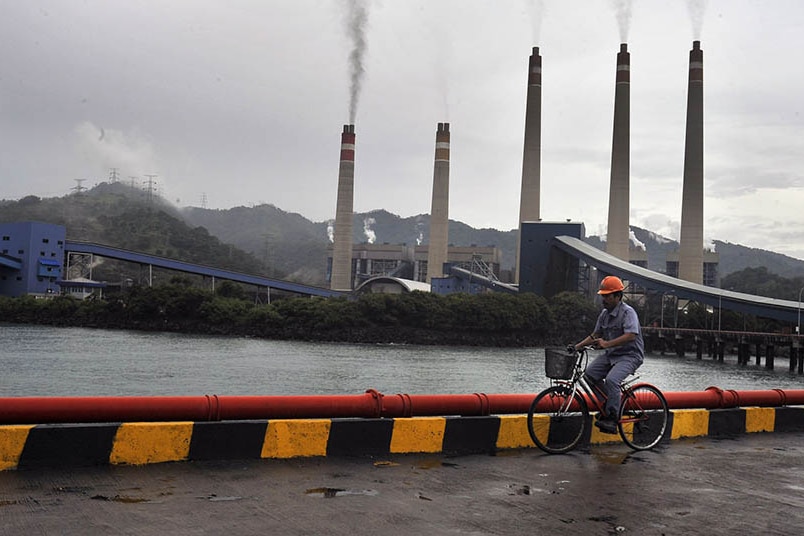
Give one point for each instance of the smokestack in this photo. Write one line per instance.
(617, 232)
(532, 153)
(439, 212)
(342, 250)
(690, 257)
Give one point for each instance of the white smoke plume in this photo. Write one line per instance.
(331, 231)
(371, 236)
(622, 10)
(696, 9)
(102, 149)
(419, 233)
(636, 241)
(536, 12)
(356, 23)
(442, 53)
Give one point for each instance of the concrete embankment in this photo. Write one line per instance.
(139, 443)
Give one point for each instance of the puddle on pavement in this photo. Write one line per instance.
(519, 489)
(119, 498)
(329, 493)
(616, 458)
(72, 489)
(215, 498)
(507, 453)
(434, 463)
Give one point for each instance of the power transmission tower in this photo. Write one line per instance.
(150, 187)
(78, 188)
(113, 175)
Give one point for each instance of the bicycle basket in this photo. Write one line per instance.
(558, 364)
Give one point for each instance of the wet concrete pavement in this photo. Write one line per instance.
(753, 484)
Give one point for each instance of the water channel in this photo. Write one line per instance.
(49, 361)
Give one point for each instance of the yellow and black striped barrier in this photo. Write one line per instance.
(57, 445)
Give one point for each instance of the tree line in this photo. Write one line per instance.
(491, 319)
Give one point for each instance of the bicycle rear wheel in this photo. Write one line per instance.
(557, 419)
(643, 417)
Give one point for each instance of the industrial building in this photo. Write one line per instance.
(411, 262)
(31, 256)
(710, 274)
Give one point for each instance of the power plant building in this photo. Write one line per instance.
(31, 257)
(411, 262)
(710, 272)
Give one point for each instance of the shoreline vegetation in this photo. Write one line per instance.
(492, 319)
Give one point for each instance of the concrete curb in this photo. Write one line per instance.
(61, 445)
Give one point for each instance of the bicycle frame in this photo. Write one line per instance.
(641, 419)
(594, 396)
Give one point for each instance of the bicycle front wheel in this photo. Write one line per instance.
(643, 417)
(557, 419)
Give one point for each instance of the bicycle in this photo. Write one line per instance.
(559, 415)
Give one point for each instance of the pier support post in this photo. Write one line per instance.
(698, 347)
(759, 353)
(679, 346)
(769, 355)
(800, 360)
(650, 343)
(743, 353)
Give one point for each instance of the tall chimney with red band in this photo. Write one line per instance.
(344, 212)
(618, 230)
(439, 212)
(690, 256)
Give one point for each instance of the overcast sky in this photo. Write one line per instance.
(237, 102)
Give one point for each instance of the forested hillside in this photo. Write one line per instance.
(119, 216)
(267, 240)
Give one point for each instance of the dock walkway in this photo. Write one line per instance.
(751, 484)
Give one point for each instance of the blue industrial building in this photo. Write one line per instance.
(31, 258)
(33, 254)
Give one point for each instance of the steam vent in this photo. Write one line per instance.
(439, 212)
(617, 232)
(690, 258)
(342, 248)
(532, 153)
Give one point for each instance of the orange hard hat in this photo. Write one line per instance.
(610, 284)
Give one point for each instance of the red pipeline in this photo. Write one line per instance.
(371, 404)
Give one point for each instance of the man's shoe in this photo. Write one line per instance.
(606, 426)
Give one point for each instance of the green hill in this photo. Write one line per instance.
(117, 215)
(269, 241)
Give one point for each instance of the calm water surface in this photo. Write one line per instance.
(47, 361)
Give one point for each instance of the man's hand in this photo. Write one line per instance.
(571, 349)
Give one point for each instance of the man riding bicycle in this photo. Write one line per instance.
(618, 332)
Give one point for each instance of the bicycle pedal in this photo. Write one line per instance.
(606, 426)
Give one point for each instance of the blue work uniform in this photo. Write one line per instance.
(618, 362)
